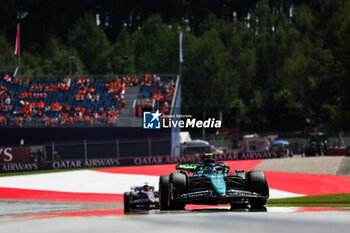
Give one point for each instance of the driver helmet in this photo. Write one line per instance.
(208, 169)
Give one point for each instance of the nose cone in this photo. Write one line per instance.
(219, 184)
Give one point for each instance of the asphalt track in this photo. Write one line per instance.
(91, 201)
(188, 221)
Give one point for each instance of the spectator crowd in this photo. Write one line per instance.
(154, 94)
(67, 103)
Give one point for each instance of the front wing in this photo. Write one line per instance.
(211, 197)
(145, 203)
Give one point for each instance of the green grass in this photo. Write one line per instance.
(47, 171)
(333, 200)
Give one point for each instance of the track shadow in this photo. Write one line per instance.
(201, 210)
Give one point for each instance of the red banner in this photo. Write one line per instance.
(14, 154)
(18, 164)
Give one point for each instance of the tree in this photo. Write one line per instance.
(122, 56)
(156, 47)
(92, 45)
(56, 59)
(7, 58)
(207, 84)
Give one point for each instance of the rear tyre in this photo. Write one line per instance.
(257, 183)
(164, 192)
(127, 202)
(178, 185)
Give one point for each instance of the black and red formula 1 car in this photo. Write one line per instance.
(141, 197)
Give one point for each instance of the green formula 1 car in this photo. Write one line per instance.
(210, 183)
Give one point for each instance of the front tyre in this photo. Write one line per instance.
(164, 192)
(256, 182)
(178, 186)
(127, 202)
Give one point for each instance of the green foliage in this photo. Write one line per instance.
(56, 59)
(332, 200)
(7, 58)
(31, 64)
(156, 47)
(206, 70)
(304, 20)
(122, 57)
(92, 45)
(344, 62)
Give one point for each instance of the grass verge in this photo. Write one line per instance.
(333, 200)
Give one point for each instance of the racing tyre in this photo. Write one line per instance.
(164, 192)
(178, 182)
(156, 194)
(257, 183)
(126, 202)
(133, 195)
(310, 152)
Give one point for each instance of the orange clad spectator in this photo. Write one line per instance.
(139, 111)
(87, 120)
(41, 104)
(161, 98)
(56, 107)
(110, 121)
(76, 116)
(3, 120)
(52, 122)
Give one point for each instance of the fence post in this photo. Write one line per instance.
(117, 147)
(85, 150)
(149, 147)
(53, 151)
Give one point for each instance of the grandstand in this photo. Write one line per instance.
(154, 94)
(81, 102)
